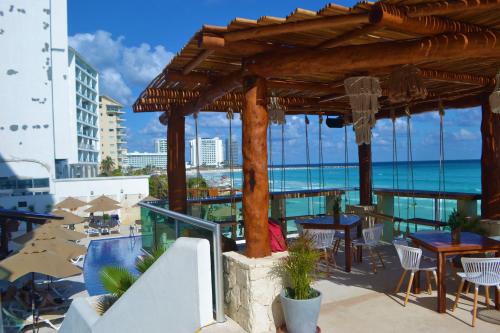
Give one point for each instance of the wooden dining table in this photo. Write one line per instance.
(347, 223)
(440, 243)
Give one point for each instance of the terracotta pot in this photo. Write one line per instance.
(455, 235)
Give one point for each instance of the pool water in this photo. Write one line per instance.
(121, 252)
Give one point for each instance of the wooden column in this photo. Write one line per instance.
(176, 164)
(365, 174)
(255, 179)
(490, 163)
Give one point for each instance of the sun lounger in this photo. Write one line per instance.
(13, 321)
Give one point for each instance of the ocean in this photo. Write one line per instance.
(460, 176)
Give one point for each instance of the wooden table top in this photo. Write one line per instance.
(326, 222)
(440, 241)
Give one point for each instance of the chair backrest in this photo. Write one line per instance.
(400, 241)
(485, 271)
(300, 228)
(373, 235)
(322, 238)
(409, 256)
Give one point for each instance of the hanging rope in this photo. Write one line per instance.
(198, 173)
(230, 117)
(410, 179)
(395, 166)
(346, 168)
(321, 173)
(283, 170)
(442, 181)
(271, 163)
(308, 167)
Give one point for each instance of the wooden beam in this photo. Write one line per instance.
(191, 78)
(472, 79)
(255, 178)
(243, 48)
(365, 174)
(349, 35)
(298, 26)
(448, 7)
(217, 89)
(490, 162)
(377, 55)
(176, 164)
(196, 61)
(395, 18)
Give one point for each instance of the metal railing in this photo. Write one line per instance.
(215, 229)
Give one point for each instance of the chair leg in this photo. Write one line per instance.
(400, 281)
(474, 309)
(380, 257)
(487, 295)
(409, 287)
(434, 273)
(428, 280)
(459, 291)
(372, 259)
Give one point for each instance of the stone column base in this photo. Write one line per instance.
(252, 293)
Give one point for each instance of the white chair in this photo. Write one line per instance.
(410, 261)
(371, 240)
(481, 272)
(323, 241)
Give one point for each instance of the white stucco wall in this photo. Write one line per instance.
(174, 295)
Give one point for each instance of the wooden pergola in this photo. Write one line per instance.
(301, 61)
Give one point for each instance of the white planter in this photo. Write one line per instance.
(301, 316)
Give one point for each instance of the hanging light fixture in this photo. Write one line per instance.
(495, 96)
(275, 111)
(363, 92)
(405, 85)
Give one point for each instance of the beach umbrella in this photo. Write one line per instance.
(68, 218)
(63, 248)
(47, 232)
(103, 200)
(34, 258)
(102, 207)
(71, 203)
(148, 198)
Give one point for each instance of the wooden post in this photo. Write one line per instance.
(365, 174)
(176, 164)
(255, 179)
(490, 163)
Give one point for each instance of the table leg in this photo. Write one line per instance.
(348, 245)
(497, 292)
(441, 283)
(416, 283)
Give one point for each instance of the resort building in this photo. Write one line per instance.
(161, 145)
(232, 151)
(210, 152)
(138, 160)
(113, 132)
(84, 93)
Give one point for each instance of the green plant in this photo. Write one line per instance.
(458, 220)
(104, 303)
(337, 201)
(105, 217)
(158, 186)
(197, 182)
(107, 166)
(143, 264)
(297, 269)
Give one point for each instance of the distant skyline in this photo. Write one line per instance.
(129, 44)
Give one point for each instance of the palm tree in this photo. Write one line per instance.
(107, 166)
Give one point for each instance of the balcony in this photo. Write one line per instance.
(88, 147)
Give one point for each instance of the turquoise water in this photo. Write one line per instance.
(121, 252)
(460, 176)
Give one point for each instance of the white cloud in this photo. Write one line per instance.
(464, 134)
(121, 67)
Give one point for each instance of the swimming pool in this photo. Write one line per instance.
(121, 251)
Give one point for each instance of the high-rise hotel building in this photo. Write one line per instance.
(113, 132)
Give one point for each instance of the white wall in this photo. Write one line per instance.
(26, 85)
(174, 295)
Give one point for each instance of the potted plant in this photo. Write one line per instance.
(458, 222)
(301, 303)
(337, 209)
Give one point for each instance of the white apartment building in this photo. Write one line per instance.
(138, 160)
(161, 145)
(113, 132)
(210, 152)
(86, 101)
(232, 151)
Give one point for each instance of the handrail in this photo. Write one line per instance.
(217, 250)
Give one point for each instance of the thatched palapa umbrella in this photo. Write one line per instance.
(47, 232)
(103, 200)
(68, 218)
(71, 203)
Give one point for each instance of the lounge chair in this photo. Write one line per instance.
(76, 260)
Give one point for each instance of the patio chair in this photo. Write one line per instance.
(410, 261)
(481, 272)
(371, 240)
(323, 241)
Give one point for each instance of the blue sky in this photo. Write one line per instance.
(129, 42)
